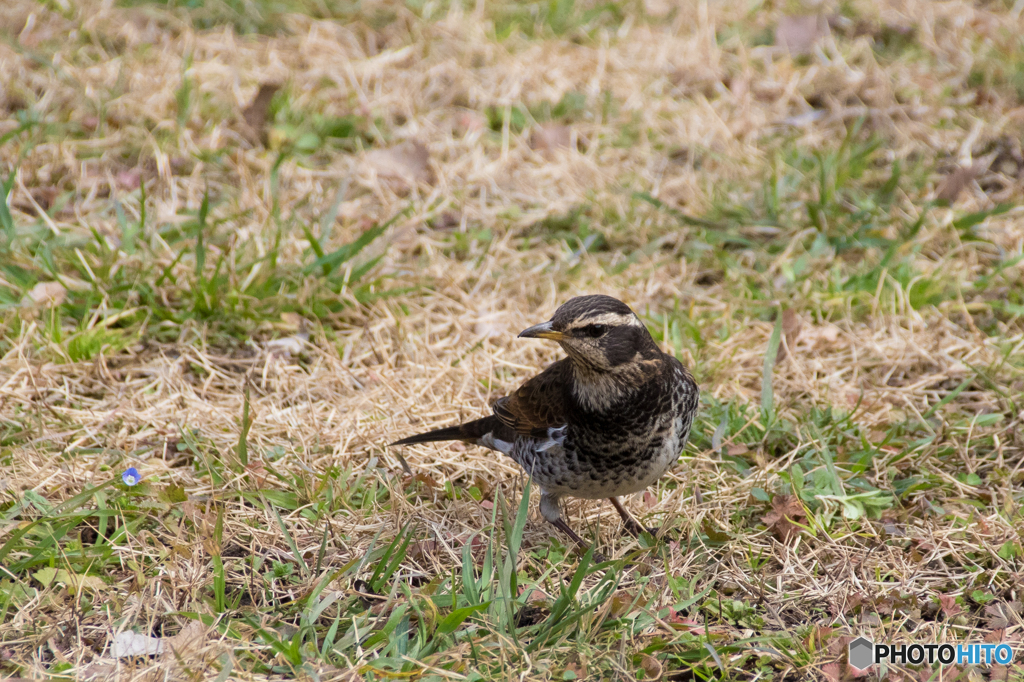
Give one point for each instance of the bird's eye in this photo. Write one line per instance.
(595, 330)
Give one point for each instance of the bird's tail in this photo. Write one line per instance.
(470, 432)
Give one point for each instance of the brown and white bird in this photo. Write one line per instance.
(608, 420)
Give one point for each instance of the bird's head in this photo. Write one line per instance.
(599, 333)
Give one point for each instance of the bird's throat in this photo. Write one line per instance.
(601, 391)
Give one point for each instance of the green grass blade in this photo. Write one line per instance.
(314, 244)
(226, 666)
(767, 394)
(674, 212)
(515, 539)
(287, 535)
(219, 582)
(243, 446)
(392, 558)
(469, 584)
(950, 397)
(6, 219)
(67, 505)
(830, 465)
(323, 549)
(204, 210)
(328, 262)
(453, 620)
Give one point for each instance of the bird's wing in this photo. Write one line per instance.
(537, 406)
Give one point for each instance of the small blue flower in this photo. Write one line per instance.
(131, 476)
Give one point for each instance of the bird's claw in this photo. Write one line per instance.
(635, 529)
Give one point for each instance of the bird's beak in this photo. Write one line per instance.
(542, 331)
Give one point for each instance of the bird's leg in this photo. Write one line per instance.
(549, 510)
(632, 525)
(564, 527)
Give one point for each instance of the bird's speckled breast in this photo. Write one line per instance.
(620, 450)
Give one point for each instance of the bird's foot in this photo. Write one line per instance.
(632, 526)
(581, 545)
(635, 529)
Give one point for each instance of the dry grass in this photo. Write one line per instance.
(522, 160)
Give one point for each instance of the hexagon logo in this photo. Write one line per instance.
(861, 652)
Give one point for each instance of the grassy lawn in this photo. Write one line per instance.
(246, 243)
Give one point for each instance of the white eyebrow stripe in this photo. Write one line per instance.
(610, 319)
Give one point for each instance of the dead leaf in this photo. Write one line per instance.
(535, 595)
(791, 326)
(405, 165)
(622, 602)
(209, 522)
(650, 500)
(426, 491)
(651, 666)
(129, 179)
(687, 623)
(836, 645)
(289, 346)
(292, 322)
(872, 620)
(423, 550)
(954, 183)
(785, 510)
(446, 221)
(98, 670)
(797, 34)
(998, 673)
(190, 639)
(947, 602)
(258, 472)
(830, 672)
(995, 636)
(578, 665)
(478, 546)
(47, 294)
(255, 115)
(923, 546)
(73, 582)
(427, 480)
(190, 511)
(548, 137)
(736, 449)
(469, 121)
(714, 533)
(181, 165)
(890, 528)
(1003, 614)
(42, 196)
(854, 672)
(483, 485)
(855, 601)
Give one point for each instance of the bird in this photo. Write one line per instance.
(608, 419)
